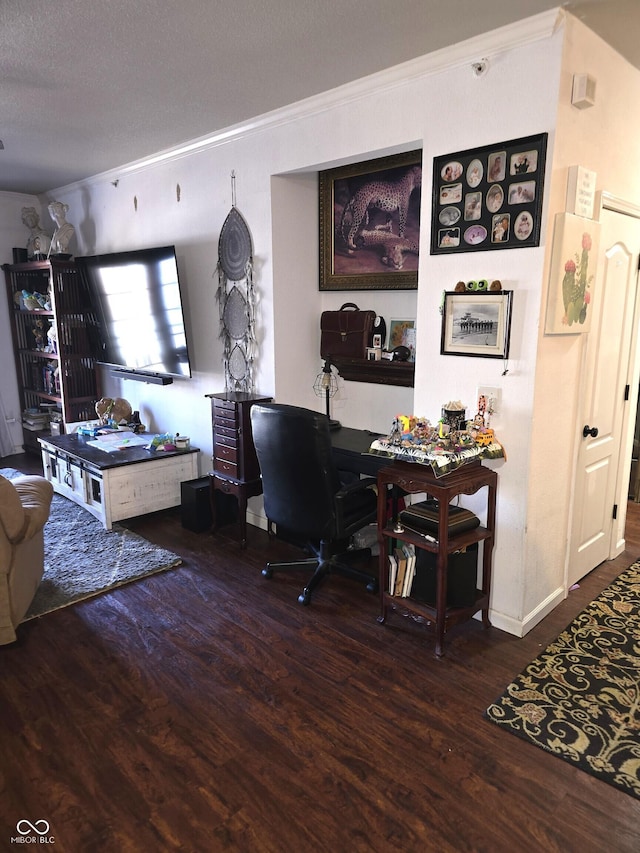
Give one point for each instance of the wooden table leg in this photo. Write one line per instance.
(242, 512)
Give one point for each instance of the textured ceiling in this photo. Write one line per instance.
(86, 87)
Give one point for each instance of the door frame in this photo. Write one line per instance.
(617, 541)
(607, 201)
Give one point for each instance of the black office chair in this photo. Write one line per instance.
(304, 496)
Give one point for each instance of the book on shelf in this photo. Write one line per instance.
(410, 572)
(39, 427)
(402, 570)
(393, 572)
(35, 417)
(401, 559)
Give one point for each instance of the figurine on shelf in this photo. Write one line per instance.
(30, 301)
(52, 340)
(38, 334)
(64, 230)
(39, 241)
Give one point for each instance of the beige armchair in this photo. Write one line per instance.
(24, 509)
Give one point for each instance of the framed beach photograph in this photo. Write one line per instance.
(370, 224)
(475, 206)
(574, 257)
(476, 324)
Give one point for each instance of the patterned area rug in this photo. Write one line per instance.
(580, 699)
(82, 559)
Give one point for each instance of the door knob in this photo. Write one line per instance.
(592, 431)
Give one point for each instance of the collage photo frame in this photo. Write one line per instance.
(489, 197)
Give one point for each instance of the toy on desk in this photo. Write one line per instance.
(414, 437)
(402, 428)
(117, 410)
(164, 441)
(479, 428)
(135, 424)
(88, 430)
(444, 453)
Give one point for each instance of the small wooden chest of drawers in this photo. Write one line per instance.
(235, 464)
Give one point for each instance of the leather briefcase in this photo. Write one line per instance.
(346, 332)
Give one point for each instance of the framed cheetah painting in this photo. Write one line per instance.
(370, 224)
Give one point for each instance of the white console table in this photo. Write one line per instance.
(115, 486)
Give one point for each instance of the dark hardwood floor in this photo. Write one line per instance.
(204, 709)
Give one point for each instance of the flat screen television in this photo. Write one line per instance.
(137, 298)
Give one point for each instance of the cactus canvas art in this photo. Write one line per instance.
(572, 277)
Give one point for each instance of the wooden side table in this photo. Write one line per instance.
(235, 463)
(412, 478)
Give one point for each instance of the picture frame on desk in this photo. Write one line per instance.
(402, 333)
(476, 324)
(364, 247)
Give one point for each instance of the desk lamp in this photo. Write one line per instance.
(326, 385)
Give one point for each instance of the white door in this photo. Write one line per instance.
(603, 408)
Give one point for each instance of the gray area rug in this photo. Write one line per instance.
(82, 559)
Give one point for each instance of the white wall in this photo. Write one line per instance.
(602, 138)
(435, 103)
(12, 233)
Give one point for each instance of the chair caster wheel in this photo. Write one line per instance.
(267, 572)
(304, 598)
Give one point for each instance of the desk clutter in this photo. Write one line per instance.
(451, 442)
(446, 585)
(414, 576)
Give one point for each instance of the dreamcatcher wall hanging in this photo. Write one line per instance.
(236, 299)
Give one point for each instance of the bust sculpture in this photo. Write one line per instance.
(39, 241)
(64, 230)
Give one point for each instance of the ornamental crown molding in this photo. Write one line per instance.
(510, 37)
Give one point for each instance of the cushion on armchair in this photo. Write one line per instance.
(12, 516)
(24, 509)
(35, 495)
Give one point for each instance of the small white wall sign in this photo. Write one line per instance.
(581, 191)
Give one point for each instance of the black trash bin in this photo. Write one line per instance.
(196, 506)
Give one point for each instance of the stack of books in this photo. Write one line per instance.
(35, 420)
(402, 570)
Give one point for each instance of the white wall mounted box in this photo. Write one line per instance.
(583, 94)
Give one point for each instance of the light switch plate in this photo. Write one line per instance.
(493, 395)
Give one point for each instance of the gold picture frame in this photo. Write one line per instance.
(364, 247)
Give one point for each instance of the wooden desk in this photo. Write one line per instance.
(350, 448)
(410, 478)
